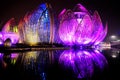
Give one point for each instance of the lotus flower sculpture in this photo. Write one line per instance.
(8, 33)
(37, 26)
(78, 26)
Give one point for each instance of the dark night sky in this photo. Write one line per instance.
(108, 10)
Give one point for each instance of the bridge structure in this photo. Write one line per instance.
(113, 43)
(9, 35)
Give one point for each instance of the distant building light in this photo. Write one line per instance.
(113, 37)
(114, 56)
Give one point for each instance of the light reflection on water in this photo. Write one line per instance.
(81, 63)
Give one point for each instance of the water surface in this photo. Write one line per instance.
(61, 65)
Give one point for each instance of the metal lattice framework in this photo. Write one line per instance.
(37, 26)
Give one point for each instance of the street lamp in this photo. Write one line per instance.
(113, 37)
